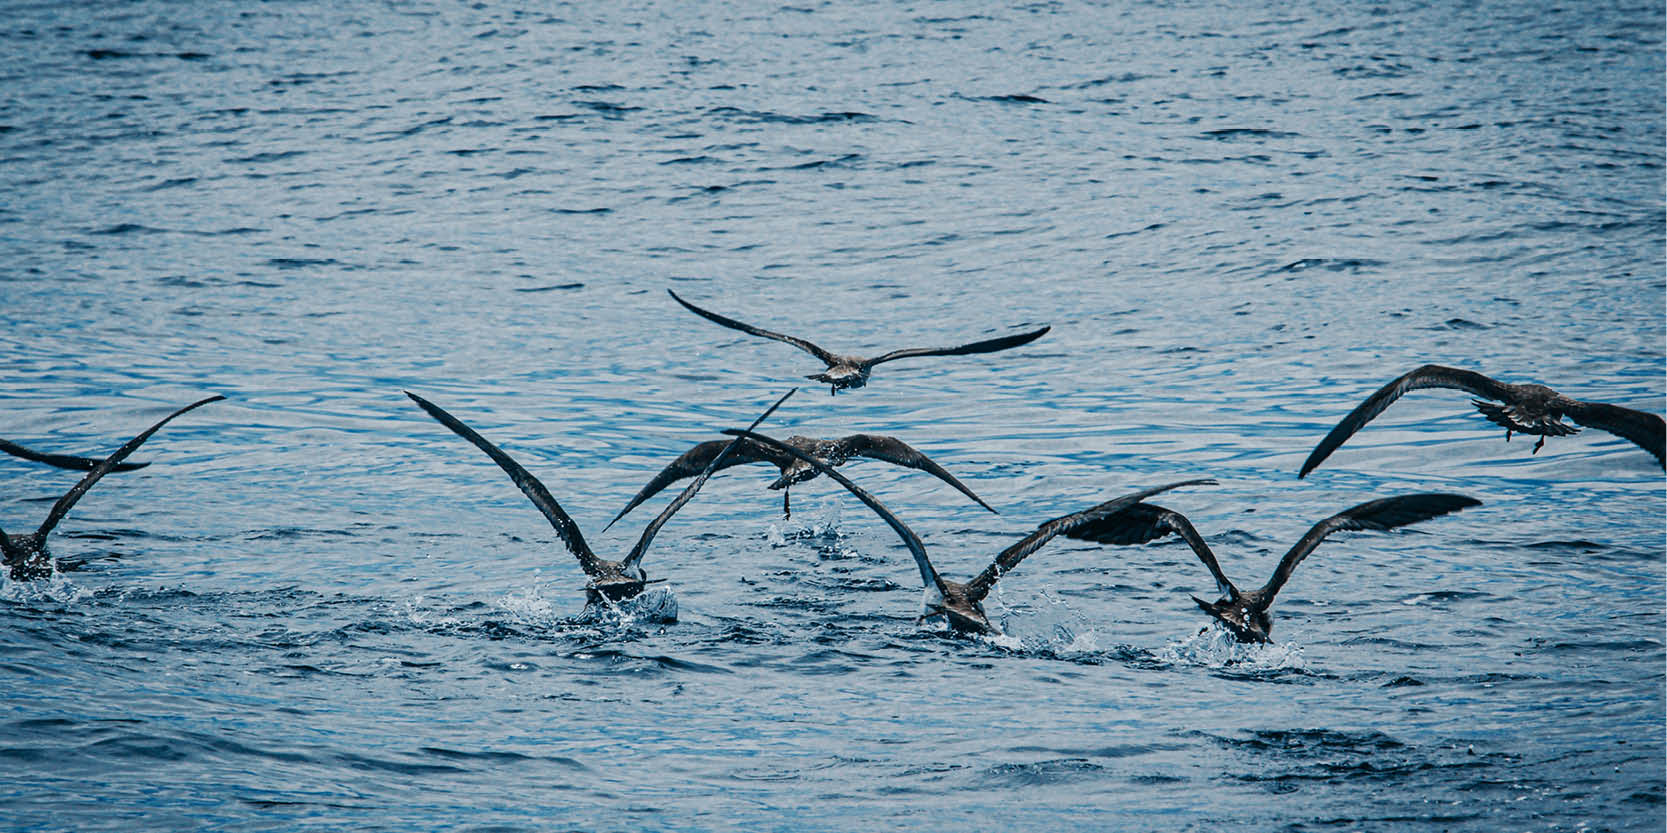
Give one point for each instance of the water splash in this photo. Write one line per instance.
(531, 606)
(1215, 647)
(58, 589)
(825, 524)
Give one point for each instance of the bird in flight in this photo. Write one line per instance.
(612, 581)
(25, 554)
(833, 452)
(1527, 409)
(852, 371)
(962, 604)
(1246, 614)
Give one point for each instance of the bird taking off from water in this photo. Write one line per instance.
(962, 604)
(852, 371)
(609, 580)
(1528, 409)
(833, 452)
(1246, 614)
(25, 555)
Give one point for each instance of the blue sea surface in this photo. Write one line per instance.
(318, 609)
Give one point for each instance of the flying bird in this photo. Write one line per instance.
(1246, 614)
(1527, 409)
(609, 580)
(852, 371)
(62, 461)
(25, 555)
(962, 604)
(833, 452)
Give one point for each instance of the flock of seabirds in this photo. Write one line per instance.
(1130, 519)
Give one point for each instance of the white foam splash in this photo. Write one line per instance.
(58, 589)
(798, 529)
(424, 617)
(1215, 647)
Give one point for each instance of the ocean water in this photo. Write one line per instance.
(319, 610)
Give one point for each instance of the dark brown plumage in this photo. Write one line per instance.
(609, 580)
(1246, 614)
(833, 452)
(852, 371)
(62, 461)
(1527, 409)
(25, 555)
(962, 604)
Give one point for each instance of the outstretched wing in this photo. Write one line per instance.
(689, 491)
(827, 358)
(986, 346)
(62, 461)
(1382, 514)
(928, 575)
(1144, 522)
(897, 452)
(565, 528)
(1009, 558)
(693, 462)
(1428, 376)
(65, 503)
(1648, 431)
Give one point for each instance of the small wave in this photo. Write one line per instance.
(736, 114)
(267, 157)
(127, 228)
(608, 108)
(300, 262)
(1014, 98)
(1231, 133)
(1331, 264)
(551, 287)
(1041, 773)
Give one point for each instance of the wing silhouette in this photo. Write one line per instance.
(986, 346)
(689, 491)
(565, 528)
(62, 461)
(65, 503)
(1009, 558)
(1428, 376)
(827, 358)
(1648, 431)
(897, 452)
(1382, 514)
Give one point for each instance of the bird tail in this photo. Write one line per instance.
(1512, 420)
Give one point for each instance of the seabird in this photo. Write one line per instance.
(1528, 409)
(62, 461)
(1246, 614)
(25, 555)
(962, 604)
(852, 371)
(833, 452)
(610, 580)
